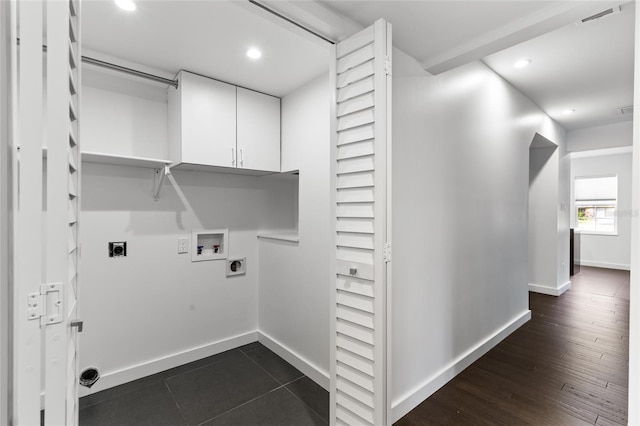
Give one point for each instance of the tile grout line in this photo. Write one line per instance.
(265, 370)
(160, 380)
(209, 364)
(175, 401)
(280, 386)
(119, 393)
(241, 405)
(284, 385)
(300, 399)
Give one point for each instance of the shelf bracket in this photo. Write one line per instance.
(158, 180)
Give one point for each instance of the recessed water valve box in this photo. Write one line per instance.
(209, 244)
(237, 266)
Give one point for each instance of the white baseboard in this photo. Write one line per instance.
(595, 264)
(134, 372)
(409, 401)
(309, 369)
(551, 291)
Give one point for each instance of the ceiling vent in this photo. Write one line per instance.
(611, 11)
(628, 110)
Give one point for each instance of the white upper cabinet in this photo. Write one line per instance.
(202, 121)
(212, 123)
(258, 131)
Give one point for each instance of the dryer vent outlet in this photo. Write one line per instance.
(89, 376)
(236, 266)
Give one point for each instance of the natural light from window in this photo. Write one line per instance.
(596, 199)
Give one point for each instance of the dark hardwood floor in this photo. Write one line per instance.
(567, 366)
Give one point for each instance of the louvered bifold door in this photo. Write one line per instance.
(46, 191)
(28, 232)
(63, 190)
(360, 140)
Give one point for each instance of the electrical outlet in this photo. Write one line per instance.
(183, 245)
(236, 266)
(118, 249)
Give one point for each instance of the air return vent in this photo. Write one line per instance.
(627, 110)
(595, 17)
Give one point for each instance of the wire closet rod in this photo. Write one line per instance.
(174, 83)
(120, 68)
(291, 21)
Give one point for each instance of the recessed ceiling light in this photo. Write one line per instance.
(568, 111)
(254, 53)
(128, 5)
(522, 63)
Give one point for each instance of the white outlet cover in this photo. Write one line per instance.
(236, 266)
(183, 245)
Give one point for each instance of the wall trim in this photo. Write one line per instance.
(596, 264)
(601, 152)
(409, 401)
(551, 291)
(311, 370)
(138, 371)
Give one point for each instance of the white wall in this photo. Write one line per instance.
(460, 194)
(155, 309)
(294, 278)
(607, 251)
(549, 209)
(600, 137)
(543, 218)
(124, 117)
(563, 207)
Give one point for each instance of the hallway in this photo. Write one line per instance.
(567, 366)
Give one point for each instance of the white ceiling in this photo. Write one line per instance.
(205, 37)
(588, 68)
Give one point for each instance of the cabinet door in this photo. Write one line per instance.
(258, 131)
(208, 121)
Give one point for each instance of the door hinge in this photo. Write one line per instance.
(46, 306)
(387, 252)
(387, 65)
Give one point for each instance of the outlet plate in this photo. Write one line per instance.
(236, 266)
(183, 245)
(118, 249)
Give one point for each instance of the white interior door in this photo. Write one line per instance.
(361, 125)
(46, 216)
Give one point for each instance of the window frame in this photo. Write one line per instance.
(596, 203)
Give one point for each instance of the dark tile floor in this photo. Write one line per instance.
(246, 386)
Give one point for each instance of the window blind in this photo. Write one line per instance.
(602, 188)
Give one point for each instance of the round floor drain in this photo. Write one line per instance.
(89, 376)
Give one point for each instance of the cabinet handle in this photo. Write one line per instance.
(241, 157)
(233, 156)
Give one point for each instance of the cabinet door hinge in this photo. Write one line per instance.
(46, 306)
(387, 65)
(387, 252)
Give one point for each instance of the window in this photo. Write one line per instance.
(596, 200)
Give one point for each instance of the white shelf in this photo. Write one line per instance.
(123, 160)
(218, 169)
(289, 236)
